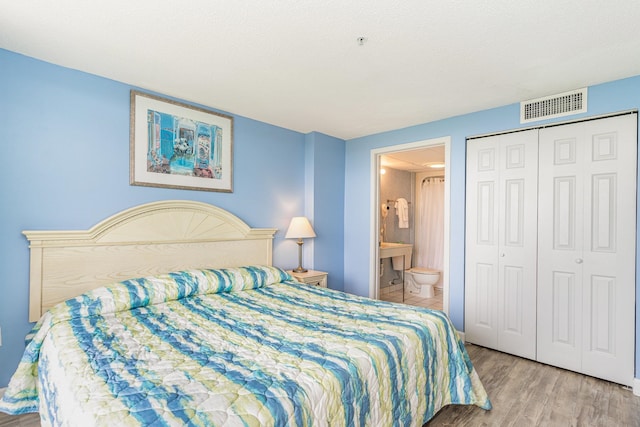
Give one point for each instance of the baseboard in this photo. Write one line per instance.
(2, 390)
(461, 335)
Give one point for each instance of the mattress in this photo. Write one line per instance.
(242, 346)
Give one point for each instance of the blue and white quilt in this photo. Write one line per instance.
(239, 347)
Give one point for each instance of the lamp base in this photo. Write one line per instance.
(300, 269)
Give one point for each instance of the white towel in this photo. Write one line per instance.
(402, 210)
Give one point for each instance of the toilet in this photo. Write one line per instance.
(418, 281)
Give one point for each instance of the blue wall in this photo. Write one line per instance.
(602, 99)
(65, 141)
(325, 204)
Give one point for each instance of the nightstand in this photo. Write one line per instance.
(311, 277)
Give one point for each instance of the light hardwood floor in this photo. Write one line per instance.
(523, 393)
(527, 393)
(27, 420)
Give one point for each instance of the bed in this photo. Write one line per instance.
(171, 313)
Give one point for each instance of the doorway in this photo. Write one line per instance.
(413, 151)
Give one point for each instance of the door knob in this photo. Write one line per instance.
(502, 254)
(578, 260)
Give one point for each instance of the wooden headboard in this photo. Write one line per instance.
(149, 239)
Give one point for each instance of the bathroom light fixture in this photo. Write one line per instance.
(436, 165)
(300, 228)
(383, 171)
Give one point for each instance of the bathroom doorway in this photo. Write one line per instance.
(398, 173)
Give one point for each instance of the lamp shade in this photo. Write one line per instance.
(299, 228)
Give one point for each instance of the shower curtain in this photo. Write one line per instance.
(430, 236)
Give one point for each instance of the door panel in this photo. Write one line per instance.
(586, 247)
(602, 315)
(564, 213)
(484, 295)
(564, 307)
(481, 262)
(518, 183)
(500, 250)
(603, 207)
(514, 215)
(610, 243)
(560, 219)
(486, 216)
(563, 347)
(513, 292)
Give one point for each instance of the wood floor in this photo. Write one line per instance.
(27, 420)
(523, 393)
(527, 393)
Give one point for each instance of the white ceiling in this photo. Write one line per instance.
(298, 64)
(414, 160)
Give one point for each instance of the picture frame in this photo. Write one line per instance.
(181, 146)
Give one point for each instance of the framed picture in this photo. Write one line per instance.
(175, 145)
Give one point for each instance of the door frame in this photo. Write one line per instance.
(374, 209)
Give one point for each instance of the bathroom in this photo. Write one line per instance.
(417, 177)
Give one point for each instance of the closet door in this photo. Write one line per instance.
(586, 247)
(481, 248)
(500, 265)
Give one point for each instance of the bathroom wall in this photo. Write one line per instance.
(393, 185)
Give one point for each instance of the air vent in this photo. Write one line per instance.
(562, 104)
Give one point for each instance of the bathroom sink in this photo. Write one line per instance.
(393, 245)
(388, 249)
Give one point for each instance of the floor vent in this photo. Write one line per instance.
(562, 104)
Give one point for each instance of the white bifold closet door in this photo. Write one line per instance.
(501, 234)
(586, 242)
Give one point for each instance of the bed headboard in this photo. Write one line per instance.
(149, 239)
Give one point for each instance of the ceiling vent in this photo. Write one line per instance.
(562, 104)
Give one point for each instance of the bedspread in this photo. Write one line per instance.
(244, 346)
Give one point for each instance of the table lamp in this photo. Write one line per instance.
(300, 228)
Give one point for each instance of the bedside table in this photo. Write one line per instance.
(311, 277)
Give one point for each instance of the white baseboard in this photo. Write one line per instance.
(2, 390)
(461, 335)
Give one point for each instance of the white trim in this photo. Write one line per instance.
(636, 386)
(374, 277)
(2, 390)
(461, 335)
(554, 124)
